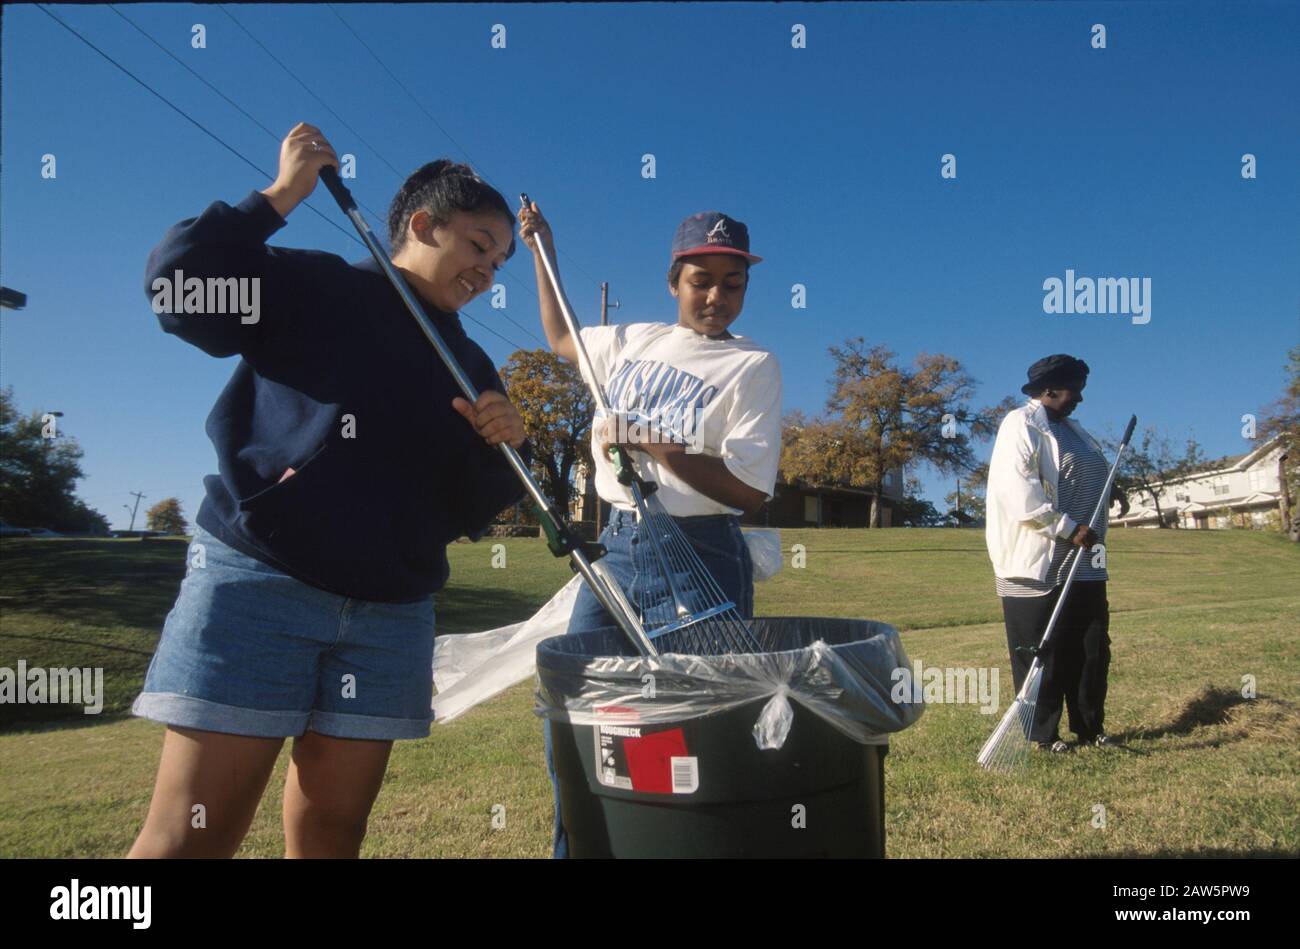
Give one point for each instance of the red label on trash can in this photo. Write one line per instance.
(637, 758)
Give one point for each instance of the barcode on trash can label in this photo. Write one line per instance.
(646, 759)
(686, 775)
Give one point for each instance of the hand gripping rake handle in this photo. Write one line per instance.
(1103, 503)
(622, 463)
(627, 473)
(560, 538)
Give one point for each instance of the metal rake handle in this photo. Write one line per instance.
(600, 580)
(1103, 503)
(637, 485)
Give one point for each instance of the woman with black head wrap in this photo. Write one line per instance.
(1045, 478)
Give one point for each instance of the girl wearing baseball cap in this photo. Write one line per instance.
(699, 404)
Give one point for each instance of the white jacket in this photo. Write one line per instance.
(1021, 518)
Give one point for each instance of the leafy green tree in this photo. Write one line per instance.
(967, 504)
(1150, 463)
(916, 511)
(39, 468)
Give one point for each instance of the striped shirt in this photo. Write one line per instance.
(1083, 472)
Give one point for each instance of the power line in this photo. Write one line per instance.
(436, 123)
(384, 67)
(324, 105)
(494, 332)
(344, 123)
(181, 112)
(184, 65)
(178, 110)
(180, 62)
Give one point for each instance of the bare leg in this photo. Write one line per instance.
(331, 787)
(208, 779)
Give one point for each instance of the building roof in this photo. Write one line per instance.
(1226, 464)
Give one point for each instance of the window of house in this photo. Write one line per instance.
(1220, 485)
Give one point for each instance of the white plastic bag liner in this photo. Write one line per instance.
(840, 669)
(764, 545)
(473, 667)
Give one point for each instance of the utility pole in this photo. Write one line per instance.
(137, 495)
(605, 307)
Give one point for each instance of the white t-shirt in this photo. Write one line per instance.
(721, 396)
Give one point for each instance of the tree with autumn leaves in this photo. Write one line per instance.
(1282, 417)
(881, 417)
(557, 409)
(167, 517)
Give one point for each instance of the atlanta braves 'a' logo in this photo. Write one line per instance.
(719, 228)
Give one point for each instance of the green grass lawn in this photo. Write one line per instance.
(1203, 772)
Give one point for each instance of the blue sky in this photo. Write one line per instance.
(1115, 162)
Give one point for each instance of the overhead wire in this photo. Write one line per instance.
(306, 88)
(372, 148)
(199, 125)
(438, 125)
(193, 72)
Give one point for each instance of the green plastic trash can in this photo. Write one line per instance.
(776, 754)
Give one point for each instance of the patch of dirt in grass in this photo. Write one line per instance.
(1232, 716)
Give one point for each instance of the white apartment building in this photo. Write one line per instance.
(1239, 491)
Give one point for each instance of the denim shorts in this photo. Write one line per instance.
(247, 650)
(716, 539)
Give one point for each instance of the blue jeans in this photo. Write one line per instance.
(247, 650)
(717, 541)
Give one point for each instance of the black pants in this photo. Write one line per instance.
(1076, 659)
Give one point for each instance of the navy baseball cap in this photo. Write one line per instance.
(712, 232)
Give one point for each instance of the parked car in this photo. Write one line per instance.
(43, 532)
(8, 530)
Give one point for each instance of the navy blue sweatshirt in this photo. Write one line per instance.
(337, 382)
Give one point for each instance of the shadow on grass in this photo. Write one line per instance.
(1261, 718)
(69, 723)
(860, 552)
(108, 600)
(94, 582)
(1215, 853)
(462, 609)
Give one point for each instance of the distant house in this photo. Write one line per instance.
(829, 505)
(792, 505)
(1238, 491)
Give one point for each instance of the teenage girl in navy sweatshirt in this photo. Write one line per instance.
(347, 462)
